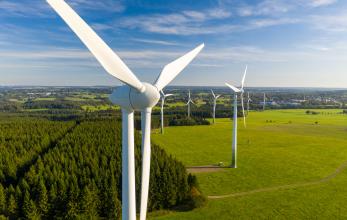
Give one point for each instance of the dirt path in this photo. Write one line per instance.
(204, 169)
(289, 186)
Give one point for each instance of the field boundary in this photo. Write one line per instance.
(342, 167)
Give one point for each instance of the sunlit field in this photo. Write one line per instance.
(278, 148)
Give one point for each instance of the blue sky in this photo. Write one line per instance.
(297, 43)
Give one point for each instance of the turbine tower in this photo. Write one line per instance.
(163, 97)
(215, 97)
(234, 141)
(188, 103)
(133, 96)
(264, 102)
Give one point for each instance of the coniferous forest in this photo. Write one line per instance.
(72, 170)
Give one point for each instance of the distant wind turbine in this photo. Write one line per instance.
(264, 102)
(133, 96)
(248, 101)
(163, 97)
(215, 97)
(234, 141)
(188, 103)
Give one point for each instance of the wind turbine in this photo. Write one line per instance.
(188, 103)
(215, 97)
(135, 95)
(264, 103)
(248, 101)
(163, 97)
(234, 141)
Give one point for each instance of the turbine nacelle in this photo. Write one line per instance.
(131, 99)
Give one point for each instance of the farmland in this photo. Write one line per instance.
(284, 147)
(283, 155)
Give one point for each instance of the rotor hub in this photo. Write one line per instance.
(132, 99)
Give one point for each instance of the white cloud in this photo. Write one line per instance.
(211, 57)
(318, 3)
(40, 8)
(194, 23)
(159, 42)
(267, 7)
(22, 8)
(330, 23)
(104, 5)
(279, 7)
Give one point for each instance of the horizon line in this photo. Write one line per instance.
(84, 86)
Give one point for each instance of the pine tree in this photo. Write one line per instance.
(2, 199)
(42, 202)
(113, 205)
(12, 206)
(52, 199)
(29, 207)
(89, 203)
(72, 210)
(18, 196)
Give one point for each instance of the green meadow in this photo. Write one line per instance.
(278, 148)
(98, 107)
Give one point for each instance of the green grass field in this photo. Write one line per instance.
(176, 104)
(277, 148)
(99, 107)
(45, 99)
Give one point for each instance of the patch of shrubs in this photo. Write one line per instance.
(310, 112)
(196, 199)
(179, 120)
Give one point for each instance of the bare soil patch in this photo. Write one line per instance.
(205, 169)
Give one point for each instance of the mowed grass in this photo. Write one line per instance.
(277, 148)
(325, 201)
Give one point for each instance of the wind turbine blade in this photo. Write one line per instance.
(172, 69)
(146, 159)
(214, 96)
(103, 53)
(244, 78)
(243, 110)
(218, 96)
(167, 95)
(232, 87)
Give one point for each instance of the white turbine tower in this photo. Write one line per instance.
(264, 102)
(163, 97)
(135, 95)
(188, 103)
(215, 97)
(234, 141)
